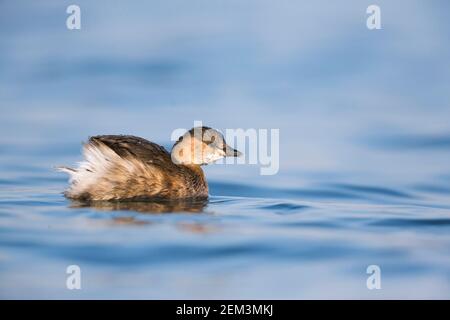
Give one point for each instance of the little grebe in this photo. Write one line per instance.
(123, 167)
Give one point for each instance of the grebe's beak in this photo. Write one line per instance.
(230, 152)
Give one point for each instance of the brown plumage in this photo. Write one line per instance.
(123, 167)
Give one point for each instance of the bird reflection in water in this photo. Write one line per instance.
(146, 206)
(185, 206)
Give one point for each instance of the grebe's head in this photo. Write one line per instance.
(201, 145)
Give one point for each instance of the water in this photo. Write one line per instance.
(364, 157)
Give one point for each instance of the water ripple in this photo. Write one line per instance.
(401, 223)
(374, 190)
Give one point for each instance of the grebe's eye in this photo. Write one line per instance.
(213, 138)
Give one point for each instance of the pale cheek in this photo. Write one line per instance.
(214, 157)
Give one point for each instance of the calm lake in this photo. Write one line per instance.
(364, 166)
